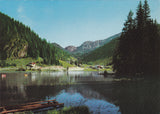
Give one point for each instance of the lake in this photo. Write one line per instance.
(78, 88)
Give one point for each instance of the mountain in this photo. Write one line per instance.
(90, 45)
(102, 54)
(19, 41)
(71, 48)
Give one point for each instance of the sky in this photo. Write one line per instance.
(72, 22)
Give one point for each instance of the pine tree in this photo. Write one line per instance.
(139, 45)
(129, 23)
(140, 16)
(121, 59)
(146, 11)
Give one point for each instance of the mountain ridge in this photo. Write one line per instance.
(103, 54)
(89, 46)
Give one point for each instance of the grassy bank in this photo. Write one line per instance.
(20, 65)
(88, 68)
(65, 110)
(22, 62)
(71, 110)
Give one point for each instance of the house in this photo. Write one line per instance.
(99, 67)
(33, 64)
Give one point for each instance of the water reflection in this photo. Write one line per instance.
(101, 95)
(138, 97)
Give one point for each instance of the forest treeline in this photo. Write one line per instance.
(138, 50)
(18, 40)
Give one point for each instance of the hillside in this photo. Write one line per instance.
(19, 41)
(90, 45)
(102, 54)
(58, 46)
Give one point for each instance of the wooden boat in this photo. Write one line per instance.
(30, 106)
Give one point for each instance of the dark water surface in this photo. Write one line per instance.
(99, 94)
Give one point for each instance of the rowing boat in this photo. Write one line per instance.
(30, 106)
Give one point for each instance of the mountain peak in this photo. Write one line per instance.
(71, 48)
(88, 46)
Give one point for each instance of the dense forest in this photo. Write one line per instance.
(138, 51)
(19, 41)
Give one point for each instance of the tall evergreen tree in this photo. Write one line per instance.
(129, 23)
(121, 58)
(146, 11)
(140, 16)
(138, 49)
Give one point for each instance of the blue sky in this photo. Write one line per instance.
(71, 22)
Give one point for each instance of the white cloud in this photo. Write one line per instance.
(23, 17)
(20, 9)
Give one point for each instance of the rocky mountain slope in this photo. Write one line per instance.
(90, 45)
(71, 48)
(102, 54)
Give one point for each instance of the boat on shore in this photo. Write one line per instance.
(30, 106)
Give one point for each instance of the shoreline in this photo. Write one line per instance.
(53, 68)
(39, 68)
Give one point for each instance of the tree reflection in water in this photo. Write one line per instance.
(101, 95)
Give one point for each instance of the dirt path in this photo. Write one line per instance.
(60, 68)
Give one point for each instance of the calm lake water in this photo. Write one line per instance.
(101, 95)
